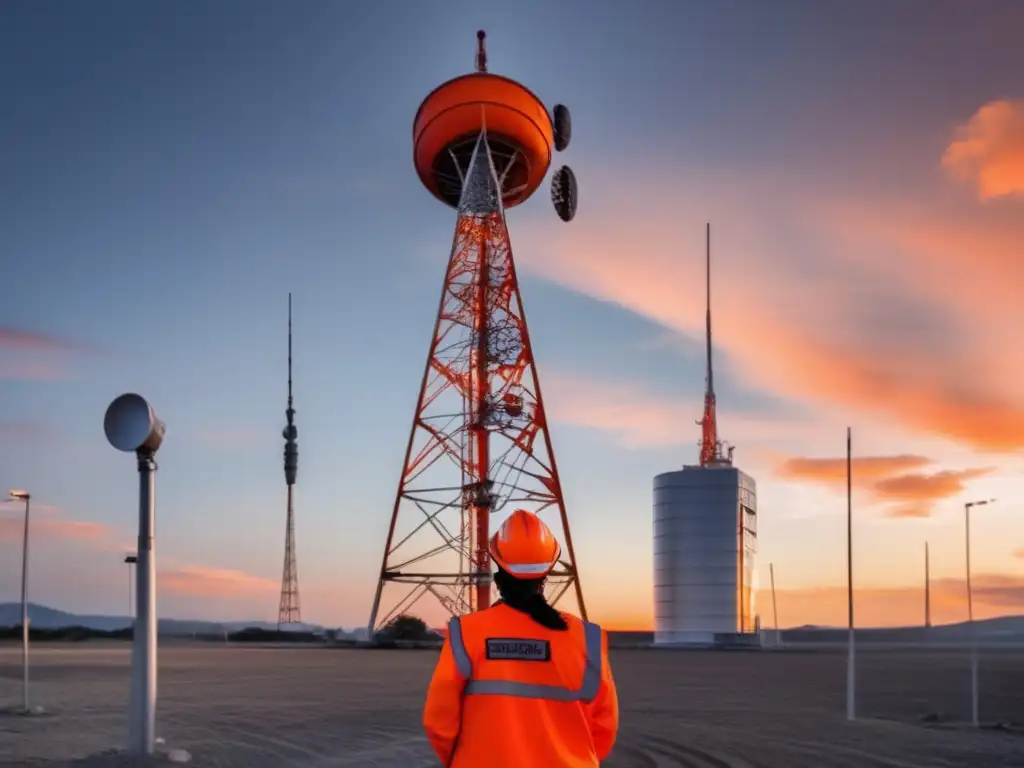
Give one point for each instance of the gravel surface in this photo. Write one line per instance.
(250, 707)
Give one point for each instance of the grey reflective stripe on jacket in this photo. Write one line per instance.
(586, 692)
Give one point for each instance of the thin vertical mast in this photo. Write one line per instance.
(851, 649)
(707, 317)
(927, 590)
(709, 448)
(289, 351)
(481, 52)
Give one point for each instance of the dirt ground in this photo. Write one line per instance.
(332, 708)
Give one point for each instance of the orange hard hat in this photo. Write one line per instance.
(524, 546)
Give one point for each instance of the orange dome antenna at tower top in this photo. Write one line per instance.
(520, 134)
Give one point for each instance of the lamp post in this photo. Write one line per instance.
(927, 593)
(851, 647)
(130, 560)
(25, 496)
(131, 426)
(970, 608)
(775, 606)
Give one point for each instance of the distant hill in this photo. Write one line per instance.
(1003, 628)
(43, 617)
(1008, 629)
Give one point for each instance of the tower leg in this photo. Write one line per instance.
(479, 444)
(288, 611)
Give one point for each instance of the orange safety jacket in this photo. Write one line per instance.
(510, 693)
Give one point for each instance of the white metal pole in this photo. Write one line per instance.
(851, 678)
(970, 618)
(970, 607)
(24, 611)
(131, 425)
(775, 605)
(927, 591)
(143, 720)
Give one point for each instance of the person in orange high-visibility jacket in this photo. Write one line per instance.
(520, 684)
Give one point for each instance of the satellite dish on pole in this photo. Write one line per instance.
(562, 123)
(131, 425)
(563, 193)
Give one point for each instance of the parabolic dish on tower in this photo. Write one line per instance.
(562, 122)
(563, 193)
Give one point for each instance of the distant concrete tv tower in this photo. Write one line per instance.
(288, 611)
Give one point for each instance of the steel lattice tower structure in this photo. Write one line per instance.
(480, 446)
(288, 611)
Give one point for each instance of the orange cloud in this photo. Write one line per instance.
(862, 467)
(31, 356)
(918, 488)
(886, 478)
(31, 370)
(201, 581)
(1019, 553)
(642, 419)
(993, 595)
(852, 314)
(48, 522)
(638, 419)
(963, 269)
(31, 341)
(989, 149)
(177, 577)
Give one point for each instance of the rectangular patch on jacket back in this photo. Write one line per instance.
(517, 649)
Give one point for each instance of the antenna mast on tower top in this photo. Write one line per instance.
(711, 448)
(290, 413)
(710, 377)
(481, 51)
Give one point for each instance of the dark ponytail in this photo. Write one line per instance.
(527, 596)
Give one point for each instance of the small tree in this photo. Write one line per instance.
(406, 627)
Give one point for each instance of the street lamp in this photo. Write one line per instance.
(131, 426)
(130, 560)
(25, 496)
(970, 608)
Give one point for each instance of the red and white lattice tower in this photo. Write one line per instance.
(480, 445)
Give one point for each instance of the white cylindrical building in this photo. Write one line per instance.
(705, 545)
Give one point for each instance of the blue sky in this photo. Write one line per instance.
(170, 173)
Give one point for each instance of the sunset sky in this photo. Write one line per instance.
(170, 171)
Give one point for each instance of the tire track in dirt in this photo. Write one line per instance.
(289, 708)
(649, 751)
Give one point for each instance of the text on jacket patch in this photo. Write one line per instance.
(517, 649)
